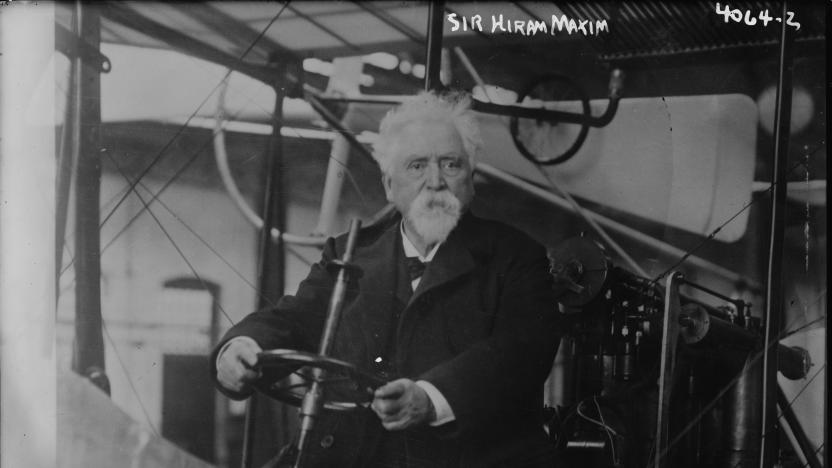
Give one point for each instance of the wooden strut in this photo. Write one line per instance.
(89, 342)
(272, 259)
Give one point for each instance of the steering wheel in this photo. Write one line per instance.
(346, 386)
(582, 133)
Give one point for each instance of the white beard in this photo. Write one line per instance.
(433, 215)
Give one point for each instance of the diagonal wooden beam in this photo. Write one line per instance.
(231, 28)
(323, 28)
(392, 21)
(124, 15)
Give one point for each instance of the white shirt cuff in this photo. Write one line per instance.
(228, 343)
(444, 413)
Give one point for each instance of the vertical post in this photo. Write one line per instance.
(27, 294)
(433, 51)
(774, 278)
(89, 343)
(270, 283)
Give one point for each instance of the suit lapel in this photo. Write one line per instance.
(382, 296)
(453, 260)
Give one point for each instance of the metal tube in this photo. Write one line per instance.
(89, 342)
(433, 48)
(313, 400)
(774, 278)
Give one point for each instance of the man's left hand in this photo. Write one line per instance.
(401, 404)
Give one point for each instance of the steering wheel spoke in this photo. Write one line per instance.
(345, 386)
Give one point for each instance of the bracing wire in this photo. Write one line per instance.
(129, 380)
(609, 431)
(806, 385)
(817, 450)
(182, 127)
(170, 238)
(131, 185)
(748, 205)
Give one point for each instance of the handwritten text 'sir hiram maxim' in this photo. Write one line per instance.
(528, 27)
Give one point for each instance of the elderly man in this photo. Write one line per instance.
(455, 310)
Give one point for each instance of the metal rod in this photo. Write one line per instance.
(738, 303)
(89, 342)
(248, 432)
(537, 113)
(313, 400)
(270, 281)
(550, 115)
(774, 277)
(433, 48)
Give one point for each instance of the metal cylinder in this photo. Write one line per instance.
(793, 362)
(743, 417)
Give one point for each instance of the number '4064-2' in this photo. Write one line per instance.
(736, 15)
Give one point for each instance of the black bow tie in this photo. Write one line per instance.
(415, 267)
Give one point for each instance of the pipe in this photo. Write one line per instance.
(774, 272)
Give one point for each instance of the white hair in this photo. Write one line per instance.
(429, 106)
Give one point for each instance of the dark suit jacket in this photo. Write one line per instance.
(482, 327)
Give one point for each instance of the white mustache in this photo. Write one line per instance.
(434, 214)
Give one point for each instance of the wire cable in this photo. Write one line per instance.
(193, 114)
(172, 241)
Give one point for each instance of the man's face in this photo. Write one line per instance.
(430, 177)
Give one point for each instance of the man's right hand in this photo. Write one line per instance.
(235, 364)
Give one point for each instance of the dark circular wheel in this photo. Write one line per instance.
(345, 386)
(579, 269)
(579, 140)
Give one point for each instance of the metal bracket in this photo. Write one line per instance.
(72, 46)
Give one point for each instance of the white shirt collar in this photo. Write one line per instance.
(411, 251)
